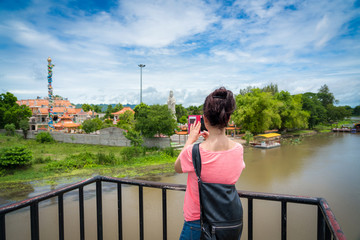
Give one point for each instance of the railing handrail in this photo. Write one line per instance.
(323, 206)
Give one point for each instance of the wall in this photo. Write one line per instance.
(112, 136)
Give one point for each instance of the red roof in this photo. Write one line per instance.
(123, 110)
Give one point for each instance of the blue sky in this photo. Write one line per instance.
(188, 46)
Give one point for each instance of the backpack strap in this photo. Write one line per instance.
(196, 160)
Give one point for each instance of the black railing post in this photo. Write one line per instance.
(99, 210)
(283, 220)
(34, 218)
(119, 199)
(61, 216)
(164, 214)
(320, 225)
(141, 212)
(2, 227)
(250, 218)
(327, 233)
(81, 213)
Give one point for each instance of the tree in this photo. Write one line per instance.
(312, 104)
(194, 110)
(180, 112)
(291, 113)
(325, 96)
(126, 120)
(356, 111)
(96, 108)
(257, 111)
(271, 88)
(24, 126)
(335, 114)
(117, 107)
(92, 125)
(86, 107)
(11, 112)
(109, 110)
(154, 120)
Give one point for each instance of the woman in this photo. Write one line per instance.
(222, 158)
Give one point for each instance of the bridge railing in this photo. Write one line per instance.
(327, 226)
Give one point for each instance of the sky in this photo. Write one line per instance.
(188, 46)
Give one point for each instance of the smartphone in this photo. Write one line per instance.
(193, 119)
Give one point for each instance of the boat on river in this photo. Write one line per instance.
(266, 141)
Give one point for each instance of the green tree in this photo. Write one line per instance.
(356, 111)
(10, 129)
(24, 126)
(126, 120)
(194, 110)
(155, 120)
(141, 110)
(108, 112)
(271, 88)
(86, 107)
(257, 111)
(325, 96)
(180, 112)
(16, 156)
(292, 115)
(335, 113)
(92, 125)
(11, 112)
(96, 108)
(135, 137)
(313, 105)
(117, 107)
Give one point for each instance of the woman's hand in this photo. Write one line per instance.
(194, 133)
(205, 134)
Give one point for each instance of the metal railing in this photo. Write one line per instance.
(327, 226)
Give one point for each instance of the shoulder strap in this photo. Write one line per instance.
(196, 160)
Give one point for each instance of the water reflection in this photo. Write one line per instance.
(321, 166)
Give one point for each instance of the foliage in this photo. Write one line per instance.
(257, 111)
(141, 110)
(126, 120)
(129, 153)
(134, 137)
(155, 120)
(325, 96)
(335, 113)
(86, 107)
(183, 120)
(181, 112)
(41, 159)
(108, 112)
(92, 125)
(117, 107)
(10, 129)
(356, 111)
(194, 110)
(11, 112)
(24, 126)
(313, 105)
(44, 137)
(271, 88)
(81, 160)
(292, 115)
(248, 137)
(170, 151)
(13, 157)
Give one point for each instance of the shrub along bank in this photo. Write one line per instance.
(27, 160)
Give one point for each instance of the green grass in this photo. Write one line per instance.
(54, 161)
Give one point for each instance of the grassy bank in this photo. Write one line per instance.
(52, 161)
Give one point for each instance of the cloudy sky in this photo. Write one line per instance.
(188, 46)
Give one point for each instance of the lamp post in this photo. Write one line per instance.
(141, 67)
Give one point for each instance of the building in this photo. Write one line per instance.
(40, 112)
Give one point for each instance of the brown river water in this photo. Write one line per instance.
(324, 165)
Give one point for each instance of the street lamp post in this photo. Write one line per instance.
(141, 67)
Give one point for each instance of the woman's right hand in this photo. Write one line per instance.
(194, 133)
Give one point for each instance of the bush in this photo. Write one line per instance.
(42, 160)
(129, 153)
(10, 129)
(104, 159)
(13, 157)
(170, 151)
(44, 137)
(134, 137)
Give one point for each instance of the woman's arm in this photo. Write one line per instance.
(193, 137)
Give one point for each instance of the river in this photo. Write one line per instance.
(323, 165)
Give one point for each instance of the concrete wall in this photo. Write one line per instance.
(112, 136)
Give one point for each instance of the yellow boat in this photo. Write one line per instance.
(268, 140)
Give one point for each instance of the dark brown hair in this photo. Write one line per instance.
(218, 107)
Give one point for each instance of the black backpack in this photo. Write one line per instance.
(221, 214)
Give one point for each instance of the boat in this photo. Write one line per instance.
(266, 141)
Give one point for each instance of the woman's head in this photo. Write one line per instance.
(218, 107)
